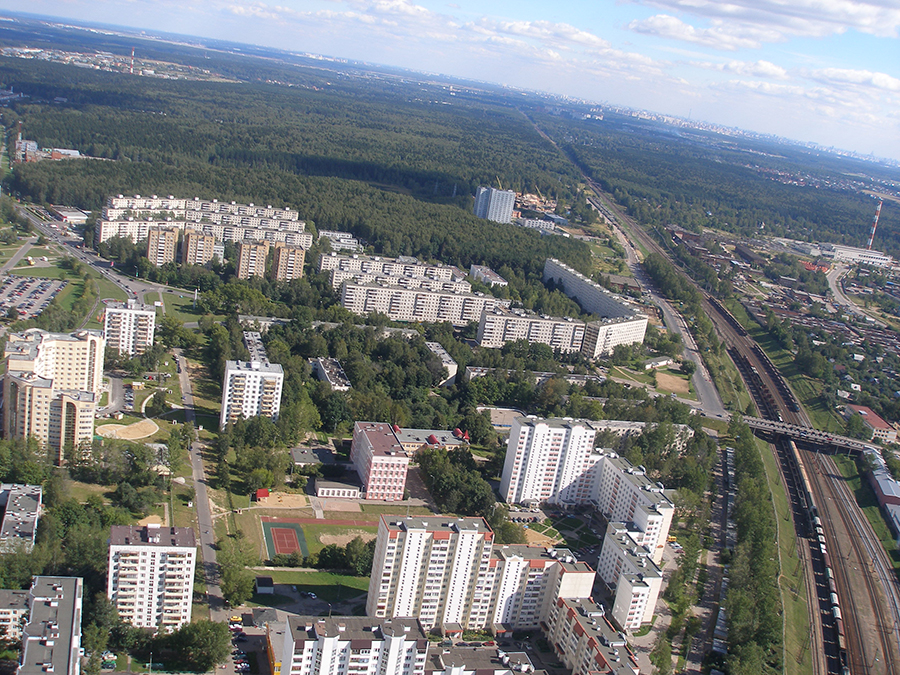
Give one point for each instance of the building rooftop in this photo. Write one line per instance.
(618, 535)
(21, 505)
(437, 524)
(254, 344)
(441, 353)
(563, 556)
(380, 436)
(349, 480)
(330, 371)
(263, 367)
(610, 645)
(365, 629)
(478, 660)
(426, 437)
(25, 344)
(13, 600)
(870, 416)
(636, 475)
(131, 304)
(319, 455)
(51, 639)
(150, 535)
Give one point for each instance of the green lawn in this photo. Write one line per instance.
(792, 581)
(398, 509)
(181, 306)
(327, 586)
(313, 533)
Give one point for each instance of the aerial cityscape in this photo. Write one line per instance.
(319, 364)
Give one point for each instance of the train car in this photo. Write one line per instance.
(832, 587)
(834, 600)
(836, 610)
(829, 573)
(817, 521)
(823, 549)
(827, 561)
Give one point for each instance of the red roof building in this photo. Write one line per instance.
(880, 429)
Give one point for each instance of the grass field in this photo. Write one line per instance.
(327, 586)
(792, 581)
(181, 306)
(399, 509)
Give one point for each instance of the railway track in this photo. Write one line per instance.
(834, 648)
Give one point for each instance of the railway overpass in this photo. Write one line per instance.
(806, 434)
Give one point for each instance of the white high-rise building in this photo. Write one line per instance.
(502, 325)
(151, 574)
(350, 645)
(634, 580)
(493, 204)
(446, 572)
(251, 388)
(129, 326)
(546, 460)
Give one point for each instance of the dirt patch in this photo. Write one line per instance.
(346, 538)
(284, 499)
(151, 520)
(340, 505)
(672, 383)
(538, 539)
(131, 432)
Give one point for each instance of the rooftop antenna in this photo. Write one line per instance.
(874, 225)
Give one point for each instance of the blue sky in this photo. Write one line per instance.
(826, 71)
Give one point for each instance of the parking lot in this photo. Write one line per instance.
(29, 295)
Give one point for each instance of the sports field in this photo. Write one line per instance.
(284, 538)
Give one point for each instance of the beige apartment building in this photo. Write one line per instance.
(161, 245)
(252, 259)
(51, 386)
(288, 262)
(197, 248)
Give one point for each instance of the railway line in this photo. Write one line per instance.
(853, 596)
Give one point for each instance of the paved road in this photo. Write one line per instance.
(841, 300)
(17, 256)
(204, 516)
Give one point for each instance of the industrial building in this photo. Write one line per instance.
(150, 577)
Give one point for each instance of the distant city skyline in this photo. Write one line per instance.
(822, 71)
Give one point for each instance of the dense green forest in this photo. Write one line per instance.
(696, 179)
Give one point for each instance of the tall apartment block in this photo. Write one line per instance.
(586, 641)
(288, 262)
(51, 386)
(619, 324)
(349, 645)
(503, 325)
(434, 568)
(162, 244)
(51, 640)
(447, 572)
(129, 326)
(496, 205)
(198, 248)
(546, 461)
(628, 570)
(251, 260)
(251, 387)
(380, 460)
(554, 461)
(20, 506)
(151, 574)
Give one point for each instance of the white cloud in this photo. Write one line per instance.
(764, 69)
(863, 78)
(796, 17)
(717, 37)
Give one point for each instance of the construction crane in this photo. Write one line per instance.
(874, 225)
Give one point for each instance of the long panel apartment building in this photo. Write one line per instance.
(150, 578)
(447, 572)
(20, 508)
(50, 388)
(417, 304)
(503, 325)
(404, 266)
(619, 323)
(51, 640)
(349, 645)
(129, 326)
(253, 387)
